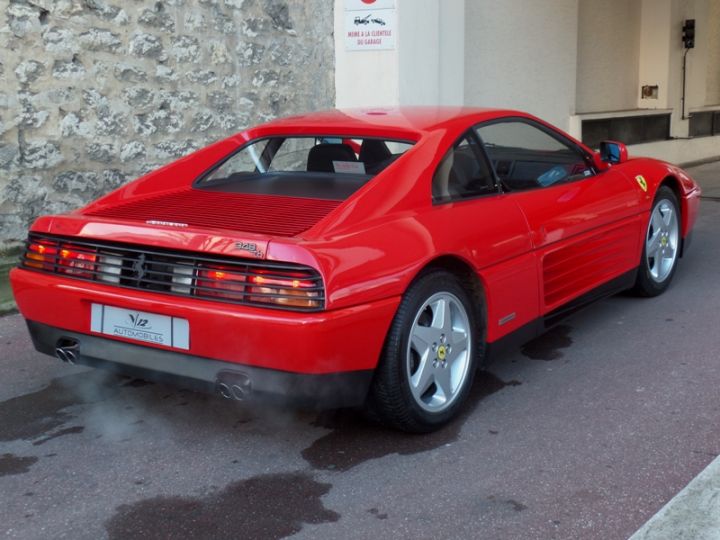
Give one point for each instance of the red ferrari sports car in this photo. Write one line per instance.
(350, 258)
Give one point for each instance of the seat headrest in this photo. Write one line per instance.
(373, 151)
(321, 156)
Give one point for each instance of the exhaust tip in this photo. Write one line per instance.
(234, 385)
(67, 350)
(241, 393)
(224, 390)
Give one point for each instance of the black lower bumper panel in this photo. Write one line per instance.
(342, 389)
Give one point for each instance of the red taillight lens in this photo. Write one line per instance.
(77, 263)
(292, 289)
(220, 282)
(41, 255)
(61, 258)
(260, 286)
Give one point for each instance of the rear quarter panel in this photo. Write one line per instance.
(489, 235)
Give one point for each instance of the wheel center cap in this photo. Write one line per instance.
(441, 352)
(663, 241)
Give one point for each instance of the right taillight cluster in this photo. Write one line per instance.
(296, 289)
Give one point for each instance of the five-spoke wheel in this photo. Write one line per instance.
(428, 363)
(439, 351)
(662, 245)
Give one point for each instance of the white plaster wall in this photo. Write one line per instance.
(419, 54)
(712, 95)
(655, 38)
(431, 51)
(697, 59)
(522, 54)
(608, 55)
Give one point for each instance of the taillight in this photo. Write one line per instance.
(61, 258)
(41, 255)
(220, 282)
(268, 284)
(258, 286)
(292, 289)
(75, 261)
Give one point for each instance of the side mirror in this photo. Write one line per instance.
(613, 152)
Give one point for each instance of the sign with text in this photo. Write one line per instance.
(370, 29)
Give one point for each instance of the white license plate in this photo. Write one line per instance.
(140, 326)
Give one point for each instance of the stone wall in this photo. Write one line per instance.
(95, 92)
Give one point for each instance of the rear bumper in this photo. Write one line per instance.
(325, 358)
(349, 339)
(242, 382)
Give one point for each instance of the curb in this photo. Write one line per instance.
(693, 514)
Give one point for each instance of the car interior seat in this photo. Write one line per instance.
(373, 152)
(321, 156)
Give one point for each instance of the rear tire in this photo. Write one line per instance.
(661, 245)
(429, 360)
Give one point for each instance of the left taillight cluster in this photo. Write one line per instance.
(250, 282)
(63, 258)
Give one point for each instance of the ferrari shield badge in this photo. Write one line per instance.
(641, 182)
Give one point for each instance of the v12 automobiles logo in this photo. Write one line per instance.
(139, 322)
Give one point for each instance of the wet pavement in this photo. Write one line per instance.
(585, 433)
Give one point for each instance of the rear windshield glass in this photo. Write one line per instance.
(315, 167)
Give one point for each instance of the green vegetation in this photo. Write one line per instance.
(8, 259)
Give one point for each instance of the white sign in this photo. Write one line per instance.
(370, 30)
(355, 5)
(349, 167)
(140, 326)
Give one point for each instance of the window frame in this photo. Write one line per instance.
(482, 158)
(199, 181)
(551, 132)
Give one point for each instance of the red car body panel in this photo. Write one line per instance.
(533, 251)
(311, 343)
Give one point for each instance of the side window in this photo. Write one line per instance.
(526, 157)
(462, 173)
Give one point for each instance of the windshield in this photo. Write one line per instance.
(315, 167)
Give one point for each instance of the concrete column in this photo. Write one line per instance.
(363, 78)
(432, 52)
(426, 67)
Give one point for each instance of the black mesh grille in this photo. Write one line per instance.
(240, 281)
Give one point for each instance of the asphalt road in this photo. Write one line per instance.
(585, 433)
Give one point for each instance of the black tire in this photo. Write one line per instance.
(391, 400)
(646, 284)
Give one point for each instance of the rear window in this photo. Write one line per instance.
(314, 167)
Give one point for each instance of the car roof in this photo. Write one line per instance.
(412, 122)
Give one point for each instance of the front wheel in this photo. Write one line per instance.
(428, 363)
(661, 247)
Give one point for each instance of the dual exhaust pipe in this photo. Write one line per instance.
(67, 350)
(229, 384)
(233, 385)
